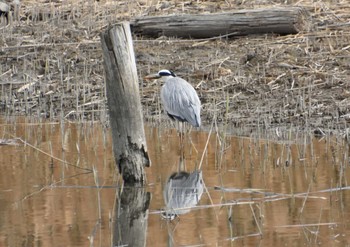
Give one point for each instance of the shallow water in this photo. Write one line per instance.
(256, 191)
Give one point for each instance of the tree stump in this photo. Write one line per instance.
(288, 20)
(129, 142)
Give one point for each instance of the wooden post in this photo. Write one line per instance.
(288, 20)
(129, 142)
(131, 215)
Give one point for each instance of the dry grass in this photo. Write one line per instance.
(51, 64)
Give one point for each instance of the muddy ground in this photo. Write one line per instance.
(52, 65)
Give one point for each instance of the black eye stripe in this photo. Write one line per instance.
(166, 73)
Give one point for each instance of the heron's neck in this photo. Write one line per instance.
(165, 78)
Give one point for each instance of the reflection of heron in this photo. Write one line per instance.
(183, 190)
(179, 98)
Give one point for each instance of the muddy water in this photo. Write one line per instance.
(271, 191)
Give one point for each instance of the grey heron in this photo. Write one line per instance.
(180, 100)
(4, 11)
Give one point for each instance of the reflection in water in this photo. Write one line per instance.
(182, 191)
(131, 217)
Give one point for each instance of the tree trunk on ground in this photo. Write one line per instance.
(129, 142)
(288, 20)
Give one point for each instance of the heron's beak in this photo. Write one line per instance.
(150, 77)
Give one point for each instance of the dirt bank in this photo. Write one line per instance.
(51, 64)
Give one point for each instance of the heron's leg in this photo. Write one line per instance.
(182, 166)
(190, 139)
(182, 135)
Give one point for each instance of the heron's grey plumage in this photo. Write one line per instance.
(4, 10)
(179, 98)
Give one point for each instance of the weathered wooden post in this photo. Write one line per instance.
(129, 142)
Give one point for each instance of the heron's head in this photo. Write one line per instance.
(164, 73)
(169, 215)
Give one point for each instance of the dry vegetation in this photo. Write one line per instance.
(51, 64)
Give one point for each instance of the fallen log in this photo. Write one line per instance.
(288, 20)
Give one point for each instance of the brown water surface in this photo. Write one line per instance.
(59, 187)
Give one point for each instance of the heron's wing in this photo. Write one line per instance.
(181, 100)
